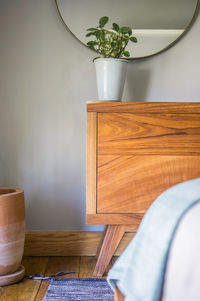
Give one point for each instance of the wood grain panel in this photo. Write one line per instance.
(91, 163)
(115, 219)
(128, 184)
(125, 133)
(112, 238)
(144, 107)
(64, 243)
(118, 295)
(70, 243)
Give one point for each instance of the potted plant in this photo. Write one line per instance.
(12, 234)
(112, 65)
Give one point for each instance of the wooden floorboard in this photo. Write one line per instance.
(59, 264)
(27, 289)
(34, 290)
(87, 266)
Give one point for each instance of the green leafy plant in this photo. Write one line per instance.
(110, 42)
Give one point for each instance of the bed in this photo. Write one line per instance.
(162, 261)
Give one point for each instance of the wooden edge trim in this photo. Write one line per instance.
(68, 243)
(144, 107)
(117, 219)
(118, 295)
(91, 177)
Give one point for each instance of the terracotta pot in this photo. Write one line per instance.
(12, 230)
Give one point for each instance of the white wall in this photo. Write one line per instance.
(46, 77)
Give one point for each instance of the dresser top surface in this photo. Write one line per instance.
(144, 107)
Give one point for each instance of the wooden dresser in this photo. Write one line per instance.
(135, 151)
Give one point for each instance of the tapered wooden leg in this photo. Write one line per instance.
(118, 295)
(112, 238)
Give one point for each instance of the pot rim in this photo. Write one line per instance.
(14, 191)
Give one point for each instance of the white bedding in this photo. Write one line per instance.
(182, 278)
(140, 271)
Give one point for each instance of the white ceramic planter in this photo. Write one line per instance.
(110, 75)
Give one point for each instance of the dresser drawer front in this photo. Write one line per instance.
(141, 155)
(132, 134)
(129, 184)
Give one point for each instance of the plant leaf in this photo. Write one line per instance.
(116, 27)
(90, 34)
(91, 43)
(124, 30)
(103, 21)
(130, 32)
(91, 29)
(133, 39)
(91, 47)
(126, 53)
(97, 34)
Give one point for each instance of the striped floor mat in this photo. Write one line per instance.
(79, 290)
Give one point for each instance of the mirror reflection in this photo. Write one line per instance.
(155, 23)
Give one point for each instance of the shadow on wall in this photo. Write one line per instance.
(138, 81)
(45, 157)
(57, 215)
(49, 205)
(1, 173)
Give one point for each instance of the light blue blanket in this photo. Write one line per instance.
(139, 271)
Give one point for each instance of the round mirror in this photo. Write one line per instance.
(157, 24)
